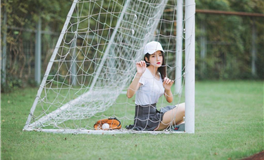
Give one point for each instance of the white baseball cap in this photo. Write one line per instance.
(152, 47)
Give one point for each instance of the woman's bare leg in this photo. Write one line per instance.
(172, 117)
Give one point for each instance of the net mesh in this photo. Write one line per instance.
(95, 62)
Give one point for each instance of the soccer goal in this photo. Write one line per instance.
(94, 62)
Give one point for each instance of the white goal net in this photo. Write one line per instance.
(94, 62)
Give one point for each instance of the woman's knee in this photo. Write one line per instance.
(181, 108)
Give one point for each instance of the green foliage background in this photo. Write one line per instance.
(229, 38)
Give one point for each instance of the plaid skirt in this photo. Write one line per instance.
(147, 117)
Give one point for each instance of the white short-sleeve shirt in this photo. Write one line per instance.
(150, 90)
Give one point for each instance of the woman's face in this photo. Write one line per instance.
(156, 59)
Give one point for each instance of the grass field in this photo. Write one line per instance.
(229, 125)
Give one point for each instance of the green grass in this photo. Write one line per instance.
(229, 125)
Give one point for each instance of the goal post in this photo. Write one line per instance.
(190, 66)
(178, 62)
(50, 64)
(94, 62)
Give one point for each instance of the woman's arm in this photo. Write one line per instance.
(133, 87)
(167, 83)
(168, 95)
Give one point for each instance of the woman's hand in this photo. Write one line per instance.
(167, 83)
(141, 67)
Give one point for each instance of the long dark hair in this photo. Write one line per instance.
(163, 69)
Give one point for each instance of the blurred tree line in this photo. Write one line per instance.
(19, 22)
(229, 40)
(223, 42)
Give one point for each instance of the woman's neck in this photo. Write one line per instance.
(153, 70)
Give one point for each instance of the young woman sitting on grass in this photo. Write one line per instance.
(149, 84)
